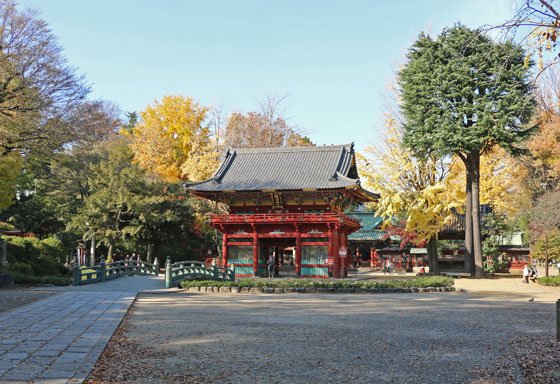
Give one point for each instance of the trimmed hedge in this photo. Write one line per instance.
(420, 282)
(550, 281)
(20, 278)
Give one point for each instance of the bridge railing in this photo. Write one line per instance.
(182, 270)
(103, 271)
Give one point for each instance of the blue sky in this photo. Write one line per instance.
(333, 58)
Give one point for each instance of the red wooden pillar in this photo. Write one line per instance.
(337, 244)
(276, 261)
(298, 252)
(336, 261)
(225, 250)
(331, 243)
(345, 244)
(255, 253)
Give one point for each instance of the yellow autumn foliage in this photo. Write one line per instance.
(500, 183)
(406, 184)
(173, 141)
(429, 191)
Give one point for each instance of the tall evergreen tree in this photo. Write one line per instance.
(462, 94)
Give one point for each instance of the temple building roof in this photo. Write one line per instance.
(285, 169)
(370, 230)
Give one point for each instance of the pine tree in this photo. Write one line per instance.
(462, 95)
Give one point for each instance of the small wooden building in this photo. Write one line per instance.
(286, 197)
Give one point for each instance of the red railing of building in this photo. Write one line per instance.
(285, 218)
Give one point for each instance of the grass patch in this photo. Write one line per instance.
(420, 282)
(550, 281)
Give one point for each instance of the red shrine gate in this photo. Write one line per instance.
(281, 198)
(320, 241)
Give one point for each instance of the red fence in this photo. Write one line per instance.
(285, 218)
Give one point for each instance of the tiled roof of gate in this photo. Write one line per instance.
(368, 220)
(286, 168)
(367, 235)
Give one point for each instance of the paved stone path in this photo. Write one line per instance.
(59, 339)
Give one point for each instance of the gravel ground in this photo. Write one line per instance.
(13, 298)
(301, 338)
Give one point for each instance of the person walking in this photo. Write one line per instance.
(534, 274)
(558, 265)
(270, 267)
(526, 274)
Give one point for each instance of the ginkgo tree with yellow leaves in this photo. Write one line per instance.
(430, 192)
(173, 141)
(407, 186)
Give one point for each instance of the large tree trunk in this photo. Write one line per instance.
(110, 251)
(477, 239)
(149, 254)
(432, 256)
(469, 260)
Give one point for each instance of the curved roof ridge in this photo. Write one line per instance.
(289, 168)
(307, 148)
(224, 166)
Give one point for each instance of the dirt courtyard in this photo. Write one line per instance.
(474, 337)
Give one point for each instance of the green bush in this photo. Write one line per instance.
(46, 257)
(20, 278)
(52, 249)
(420, 282)
(22, 249)
(45, 267)
(551, 281)
(20, 267)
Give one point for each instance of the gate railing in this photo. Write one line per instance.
(174, 272)
(182, 270)
(103, 271)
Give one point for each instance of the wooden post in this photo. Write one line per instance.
(345, 239)
(92, 252)
(336, 248)
(276, 269)
(102, 270)
(232, 272)
(558, 320)
(255, 253)
(77, 274)
(4, 253)
(168, 281)
(156, 266)
(331, 244)
(225, 251)
(298, 252)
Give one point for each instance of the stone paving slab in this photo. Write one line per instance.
(59, 339)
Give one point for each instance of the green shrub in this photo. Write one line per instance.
(46, 257)
(21, 249)
(20, 267)
(52, 249)
(420, 282)
(551, 281)
(45, 267)
(20, 278)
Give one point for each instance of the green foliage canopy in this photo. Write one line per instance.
(464, 93)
